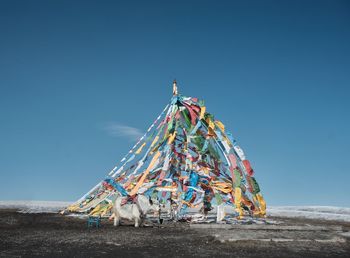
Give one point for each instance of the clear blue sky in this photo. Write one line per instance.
(74, 75)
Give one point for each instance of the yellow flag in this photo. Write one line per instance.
(140, 149)
(211, 124)
(154, 141)
(202, 112)
(262, 204)
(220, 125)
(238, 196)
(172, 138)
(222, 187)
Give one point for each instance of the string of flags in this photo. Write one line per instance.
(186, 159)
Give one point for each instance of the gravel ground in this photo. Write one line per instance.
(53, 235)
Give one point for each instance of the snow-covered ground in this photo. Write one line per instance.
(35, 206)
(311, 212)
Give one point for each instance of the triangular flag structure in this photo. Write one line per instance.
(186, 157)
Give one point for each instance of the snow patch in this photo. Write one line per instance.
(311, 212)
(35, 206)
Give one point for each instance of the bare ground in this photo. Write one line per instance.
(53, 235)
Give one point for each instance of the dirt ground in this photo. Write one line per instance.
(54, 235)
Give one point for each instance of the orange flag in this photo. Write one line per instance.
(144, 175)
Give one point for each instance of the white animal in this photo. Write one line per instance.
(134, 211)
